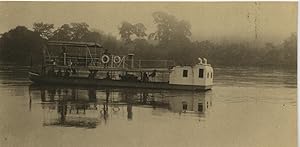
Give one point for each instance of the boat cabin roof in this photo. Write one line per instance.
(74, 44)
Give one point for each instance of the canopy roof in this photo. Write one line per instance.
(74, 44)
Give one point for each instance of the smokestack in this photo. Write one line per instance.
(205, 60)
(200, 60)
(132, 60)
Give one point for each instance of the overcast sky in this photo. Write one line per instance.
(267, 22)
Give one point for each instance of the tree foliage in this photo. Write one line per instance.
(79, 30)
(169, 28)
(45, 30)
(19, 45)
(63, 33)
(171, 40)
(127, 30)
(139, 30)
(71, 32)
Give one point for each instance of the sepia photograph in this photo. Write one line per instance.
(148, 74)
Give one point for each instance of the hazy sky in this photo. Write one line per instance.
(266, 22)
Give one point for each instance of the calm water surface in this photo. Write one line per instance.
(247, 107)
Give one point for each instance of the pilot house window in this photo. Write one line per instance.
(184, 106)
(200, 107)
(200, 73)
(185, 73)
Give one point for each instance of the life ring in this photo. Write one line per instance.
(117, 59)
(116, 109)
(105, 59)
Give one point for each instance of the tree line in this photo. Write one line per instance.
(171, 40)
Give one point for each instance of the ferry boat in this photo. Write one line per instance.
(89, 64)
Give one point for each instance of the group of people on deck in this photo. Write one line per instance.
(51, 72)
(62, 61)
(67, 69)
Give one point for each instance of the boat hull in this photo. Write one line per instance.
(79, 81)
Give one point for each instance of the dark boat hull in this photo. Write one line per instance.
(78, 81)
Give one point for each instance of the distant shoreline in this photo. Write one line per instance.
(4, 65)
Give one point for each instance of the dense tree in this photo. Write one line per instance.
(127, 30)
(45, 30)
(170, 41)
(139, 30)
(19, 45)
(63, 33)
(93, 37)
(71, 32)
(131, 34)
(169, 28)
(173, 36)
(79, 30)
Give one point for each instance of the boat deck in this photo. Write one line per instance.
(82, 81)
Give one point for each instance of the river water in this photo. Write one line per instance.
(247, 107)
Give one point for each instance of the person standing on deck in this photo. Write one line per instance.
(63, 55)
(70, 64)
(145, 77)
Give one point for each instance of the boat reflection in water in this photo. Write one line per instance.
(88, 107)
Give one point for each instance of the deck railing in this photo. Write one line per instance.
(153, 63)
(81, 61)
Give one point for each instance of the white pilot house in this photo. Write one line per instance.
(200, 74)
